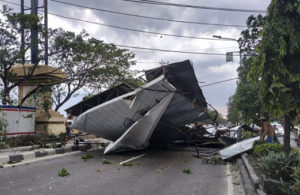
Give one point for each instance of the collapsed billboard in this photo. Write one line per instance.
(156, 112)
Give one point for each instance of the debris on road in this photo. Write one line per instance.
(127, 164)
(187, 171)
(63, 173)
(86, 156)
(158, 171)
(238, 148)
(162, 107)
(106, 162)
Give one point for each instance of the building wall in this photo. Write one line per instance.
(20, 121)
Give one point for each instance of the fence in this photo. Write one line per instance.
(21, 121)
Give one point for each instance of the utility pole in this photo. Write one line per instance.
(34, 32)
(46, 30)
(22, 35)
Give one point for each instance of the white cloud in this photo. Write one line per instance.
(225, 70)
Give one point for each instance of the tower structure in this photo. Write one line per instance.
(47, 121)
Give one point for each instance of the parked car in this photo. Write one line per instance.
(278, 129)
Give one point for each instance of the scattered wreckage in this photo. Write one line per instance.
(160, 112)
(156, 112)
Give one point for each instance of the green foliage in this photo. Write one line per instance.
(63, 172)
(279, 165)
(13, 161)
(127, 164)
(296, 178)
(87, 156)
(248, 134)
(264, 149)
(247, 102)
(89, 63)
(232, 111)
(3, 137)
(187, 171)
(106, 162)
(258, 142)
(276, 67)
(244, 104)
(213, 160)
(10, 50)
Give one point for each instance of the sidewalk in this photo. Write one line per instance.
(15, 155)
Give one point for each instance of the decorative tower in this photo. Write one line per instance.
(47, 121)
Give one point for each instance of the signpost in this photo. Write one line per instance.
(229, 56)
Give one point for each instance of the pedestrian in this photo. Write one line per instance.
(268, 130)
(68, 129)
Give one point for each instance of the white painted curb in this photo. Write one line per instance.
(4, 159)
(28, 155)
(50, 151)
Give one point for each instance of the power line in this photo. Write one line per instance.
(136, 30)
(171, 51)
(147, 62)
(195, 6)
(129, 29)
(149, 17)
(150, 49)
(218, 82)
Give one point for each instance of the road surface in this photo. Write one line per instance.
(157, 172)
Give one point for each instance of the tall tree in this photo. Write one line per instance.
(232, 112)
(246, 96)
(88, 62)
(11, 52)
(277, 67)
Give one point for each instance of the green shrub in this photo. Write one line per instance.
(279, 166)
(296, 178)
(264, 149)
(3, 137)
(258, 142)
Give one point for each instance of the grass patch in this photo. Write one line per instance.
(98, 170)
(63, 173)
(127, 164)
(187, 171)
(87, 156)
(106, 162)
(13, 162)
(236, 183)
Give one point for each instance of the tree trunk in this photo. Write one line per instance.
(287, 132)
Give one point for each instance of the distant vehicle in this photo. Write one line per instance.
(297, 133)
(279, 130)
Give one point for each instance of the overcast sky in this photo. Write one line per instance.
(208, 68)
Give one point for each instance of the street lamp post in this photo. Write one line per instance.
(231, 39)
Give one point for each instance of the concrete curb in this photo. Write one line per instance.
(37, 154)
(251, 175)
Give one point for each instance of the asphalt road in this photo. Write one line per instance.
(158, 172)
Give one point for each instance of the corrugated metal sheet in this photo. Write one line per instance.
(156, 111)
